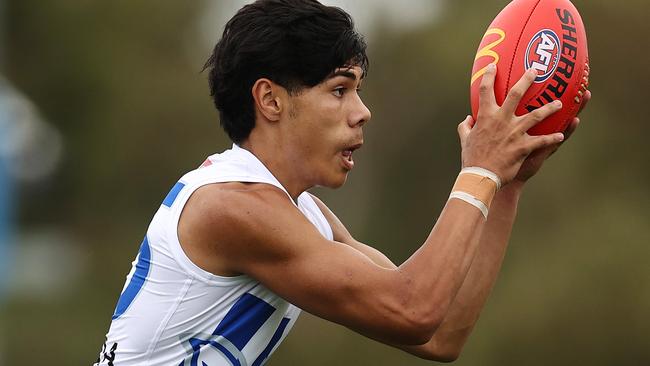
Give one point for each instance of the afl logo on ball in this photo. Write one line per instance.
(543, 53)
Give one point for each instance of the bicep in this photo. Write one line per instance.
(293, 259)
(275, 244)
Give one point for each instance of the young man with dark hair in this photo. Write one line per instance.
(239, 247)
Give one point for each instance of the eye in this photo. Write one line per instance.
(338, 92)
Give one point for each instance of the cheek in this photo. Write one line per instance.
(319, 130)
(319, 125)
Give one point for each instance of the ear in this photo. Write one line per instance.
(267, 101)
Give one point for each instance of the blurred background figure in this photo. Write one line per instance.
(6, 198)
(6, 184)
(29, 151)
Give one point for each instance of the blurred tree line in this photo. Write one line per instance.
(121, 81)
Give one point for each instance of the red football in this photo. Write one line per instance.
(547, 35)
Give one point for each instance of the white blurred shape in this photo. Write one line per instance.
(397, 15)
(33, 147)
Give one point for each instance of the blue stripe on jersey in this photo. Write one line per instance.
(244, 319)
(274, 340)
(197, 344)
(171, 196)
(137, 281)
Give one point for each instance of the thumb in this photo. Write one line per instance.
(464, 128)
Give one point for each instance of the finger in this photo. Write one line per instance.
(554, 150)
(571, 128)
(585, 100)
(538, 156)
(567, 134)
(539, 114)
(545, 141)
(517, 92)
(464, 128)
(486, 89)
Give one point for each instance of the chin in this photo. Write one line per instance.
(335, 181)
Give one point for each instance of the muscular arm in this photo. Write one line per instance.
(463, 314)
(447, 342)
(450, 337)
(261, 233)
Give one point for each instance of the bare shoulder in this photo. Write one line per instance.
(224, 224)
(232, 203)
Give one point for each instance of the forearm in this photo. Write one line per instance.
(430, 280)
(468, 303)
(436, 271)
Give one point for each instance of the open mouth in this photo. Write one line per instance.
(346, 154)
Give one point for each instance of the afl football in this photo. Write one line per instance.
(545, 35)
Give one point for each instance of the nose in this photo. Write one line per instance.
(360, 115)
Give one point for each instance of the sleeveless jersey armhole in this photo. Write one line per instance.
(171, 233)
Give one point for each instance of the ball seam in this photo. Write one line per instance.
(514, 54)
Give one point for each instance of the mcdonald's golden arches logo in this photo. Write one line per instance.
(487, 51)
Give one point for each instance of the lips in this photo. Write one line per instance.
(346, 155)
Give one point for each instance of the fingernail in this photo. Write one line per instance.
(492, 67)
(532, 72)
(558, 103)
(560, 137)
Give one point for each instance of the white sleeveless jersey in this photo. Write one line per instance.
(173, 313)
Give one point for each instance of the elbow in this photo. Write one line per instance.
(445, 357)
(447, 353)
(421, 327)
(406, 331)
(433, 347)
(423, 315)
(419, 321)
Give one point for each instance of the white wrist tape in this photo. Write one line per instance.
(471, 200)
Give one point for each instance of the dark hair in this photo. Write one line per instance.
(294, 43)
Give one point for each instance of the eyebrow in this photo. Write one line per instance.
(346, 73)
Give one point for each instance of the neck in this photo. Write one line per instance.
(281, 164)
